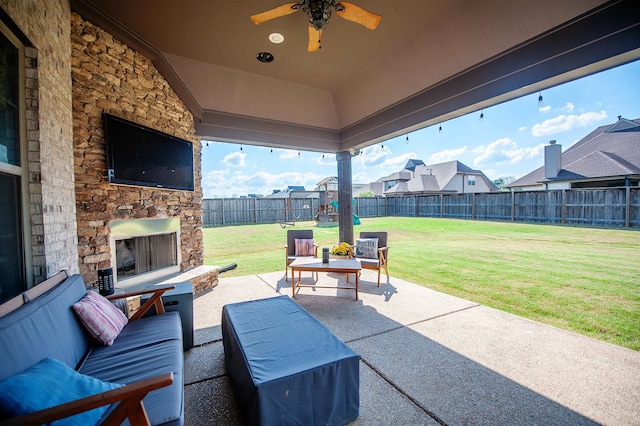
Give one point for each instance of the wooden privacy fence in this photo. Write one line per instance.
(242, 211)
(610, 207)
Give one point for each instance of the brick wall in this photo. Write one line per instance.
(108, 76)
(48, 121)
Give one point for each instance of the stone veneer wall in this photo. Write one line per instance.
(108, 76)
(46, 24)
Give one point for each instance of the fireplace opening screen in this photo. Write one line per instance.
(138, 255)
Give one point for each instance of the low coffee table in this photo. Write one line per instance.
(346, 266)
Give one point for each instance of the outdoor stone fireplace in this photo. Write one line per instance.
(144, 250)
(110, 77)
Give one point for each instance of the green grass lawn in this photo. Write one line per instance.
(582, 279)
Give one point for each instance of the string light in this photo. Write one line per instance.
(298, 154)
(271, 152)
(382, 146)
(440, 129)
(482, 116)
(241, 148)
(407, 140)
(540, 102)
(323, 155)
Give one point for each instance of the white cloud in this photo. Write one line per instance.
(397, 163)
(527, 153)
(224, 183)
(494, 152)
(504, 151)
(563, 123)
(372, 156)
(235, 159)
(522, 129)
(288, 154)
(447, 155)
(569, 107)
(546, 108)
(326, 160)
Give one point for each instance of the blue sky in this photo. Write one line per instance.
(508, 142)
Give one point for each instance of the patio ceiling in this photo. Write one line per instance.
(428, 61)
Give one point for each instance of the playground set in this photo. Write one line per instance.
(327, 214)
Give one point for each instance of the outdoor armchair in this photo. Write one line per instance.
(306, 248)
(371, 255)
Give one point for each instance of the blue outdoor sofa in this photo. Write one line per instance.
(146, 357)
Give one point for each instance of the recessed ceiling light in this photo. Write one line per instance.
(276, 38)
(265, 57)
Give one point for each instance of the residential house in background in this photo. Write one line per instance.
(607, 157)
(292, 191)
(419, 178)
(329, 183)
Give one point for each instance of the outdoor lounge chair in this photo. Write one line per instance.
(310, 249)
(375, 259)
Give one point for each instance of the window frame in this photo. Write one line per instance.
(21, 171)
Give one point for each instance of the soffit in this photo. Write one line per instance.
(362, 85)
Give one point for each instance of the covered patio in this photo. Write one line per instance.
(428, 358)
(425, 63)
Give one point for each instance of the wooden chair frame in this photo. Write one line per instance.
(289, 248)
(383, 254)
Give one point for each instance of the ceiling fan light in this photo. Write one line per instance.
(319, 12)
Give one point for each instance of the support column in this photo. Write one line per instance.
(345, 208)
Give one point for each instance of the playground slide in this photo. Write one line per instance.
(356, 218)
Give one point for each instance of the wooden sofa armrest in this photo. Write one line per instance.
(130, 406)
(154, 300)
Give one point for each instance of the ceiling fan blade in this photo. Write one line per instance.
(314, 39)
(276, 12)
(353, 13)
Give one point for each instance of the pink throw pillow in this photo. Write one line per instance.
(103, 320)
(305, 247)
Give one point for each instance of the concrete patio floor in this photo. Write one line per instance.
(429, 358)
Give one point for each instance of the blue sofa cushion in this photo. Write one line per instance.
(154, 342)
(47, 384)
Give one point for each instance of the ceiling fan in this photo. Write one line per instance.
(318, 13)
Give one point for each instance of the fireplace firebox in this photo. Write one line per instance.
(144, 250)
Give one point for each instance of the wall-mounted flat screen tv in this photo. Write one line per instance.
(138, 155)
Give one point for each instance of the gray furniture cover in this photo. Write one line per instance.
(286, 368)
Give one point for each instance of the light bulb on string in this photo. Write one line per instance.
(540, 102)
(482, 116)
(271, 152)
(298, 154)
(382, 146)
(241, 148)
(440, 129)
(323, 155)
